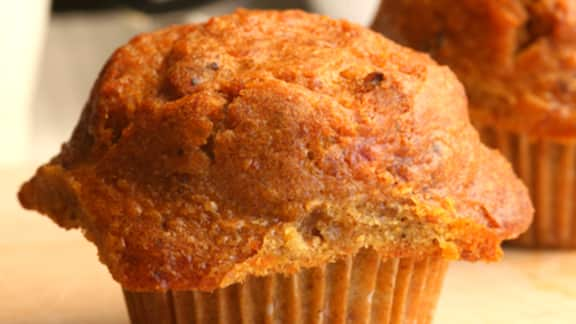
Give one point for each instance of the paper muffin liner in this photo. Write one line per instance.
(548, 168)
(364, 288)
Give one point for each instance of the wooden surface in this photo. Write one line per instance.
(48, 275)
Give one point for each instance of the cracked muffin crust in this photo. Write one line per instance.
(263, 142)
(517, 58)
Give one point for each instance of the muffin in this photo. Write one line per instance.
(517, 60)
(284, 167)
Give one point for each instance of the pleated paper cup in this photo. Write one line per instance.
(547, 167)
(361, 289)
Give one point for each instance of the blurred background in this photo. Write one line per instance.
(55, 50)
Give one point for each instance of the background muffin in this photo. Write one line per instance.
(517, 60)
(272, 161)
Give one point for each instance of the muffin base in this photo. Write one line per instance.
(364, 288)
(547, 167)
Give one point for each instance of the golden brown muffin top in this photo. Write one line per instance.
(267, 141)
(517, 58)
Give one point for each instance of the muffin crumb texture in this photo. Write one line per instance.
(266, 142)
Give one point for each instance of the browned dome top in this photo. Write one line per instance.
(266, 141)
